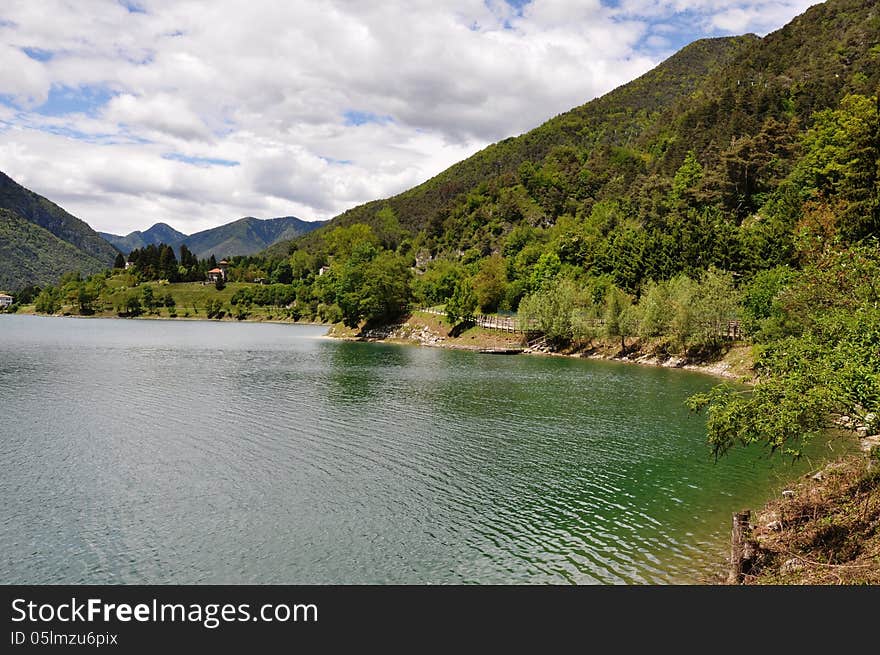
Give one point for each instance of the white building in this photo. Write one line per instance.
(5, 300)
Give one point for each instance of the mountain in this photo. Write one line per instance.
(245, 236)
(45, 213)
(739, 106)
(31, 255)
(39, 240)
(159, 233)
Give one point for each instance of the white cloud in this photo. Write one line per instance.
(267, 85)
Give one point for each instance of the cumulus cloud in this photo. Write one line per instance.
(195, 113)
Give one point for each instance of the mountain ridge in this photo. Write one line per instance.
(243, 236)
(43, 212)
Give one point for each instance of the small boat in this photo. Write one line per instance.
(500, 351)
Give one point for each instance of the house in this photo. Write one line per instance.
(5, 300)
(323, 270)
(129, 265)
(220, 272)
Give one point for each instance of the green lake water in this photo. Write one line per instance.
(206, 452)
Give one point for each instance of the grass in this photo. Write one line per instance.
(190, 301)
(827, 532)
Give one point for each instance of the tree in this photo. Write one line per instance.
(553, 310)
(618, 322)
(716, 302)
(687, 178)
(47, 301)
(371, 285)
(461, 305)
(283, 273)
(825, 376)
(342, 241)
(119, 262)
(842, 160)
(149, 299)
(133, 305)
(86, 295)
(220, 283)
(490, 283)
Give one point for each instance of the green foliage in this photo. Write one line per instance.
(557, 311)
(808, 381)
(133, 305)
(762, 313)
(461, 305)
(842, 161)
(687, 177)
(47, 302)
(619, 318)
(438, 281)
(371, 286)
(490, 284)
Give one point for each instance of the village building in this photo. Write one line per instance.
(220, 272)
(5, 300)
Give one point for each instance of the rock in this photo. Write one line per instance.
(791, 565)
(787, 493)
(867, 443)
(819, 476)
(776, 526)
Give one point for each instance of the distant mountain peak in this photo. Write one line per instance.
(244, 236)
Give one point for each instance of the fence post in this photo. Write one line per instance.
(739, 553)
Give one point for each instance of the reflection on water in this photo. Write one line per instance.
(202, 452)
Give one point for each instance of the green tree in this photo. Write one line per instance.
(490, 283)
(687, 178)
(133, 305)
(119, 262)
(810, 381)
(618, 322)
(715, 303)
(553, 310)
(86, 296)
(842, 160)
(148, 298)
(47, 301)
(461, 305)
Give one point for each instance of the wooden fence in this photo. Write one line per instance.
(727, 330)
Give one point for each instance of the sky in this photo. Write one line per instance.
(196, 113)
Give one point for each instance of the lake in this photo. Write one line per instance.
(138, 451)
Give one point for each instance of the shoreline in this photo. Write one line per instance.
(415, 333)
(412, 332)
(165, 318)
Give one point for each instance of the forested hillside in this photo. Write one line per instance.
(733, 182)
(31, 255)
(45, 213)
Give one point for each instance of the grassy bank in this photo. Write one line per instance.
(825, 529)
(189, 300)
(733, 361)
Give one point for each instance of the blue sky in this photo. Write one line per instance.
(195, 113)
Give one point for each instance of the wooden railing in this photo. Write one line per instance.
(727, 330)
